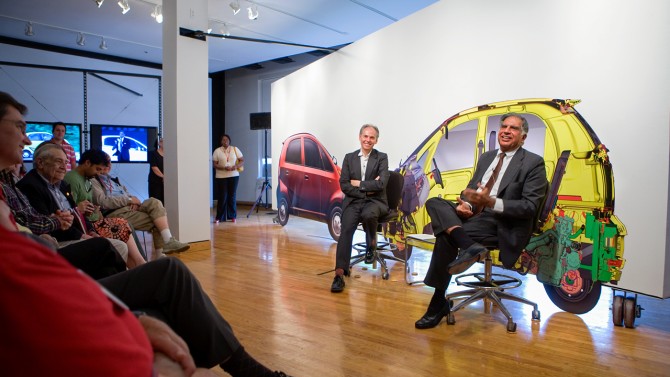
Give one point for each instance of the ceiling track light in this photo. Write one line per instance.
(103, 44)
(253, 12)
(224, 30)
(29, 29)
(99, 2)
(81, 39)
(235, 5)
(124, 6)
(158, 14)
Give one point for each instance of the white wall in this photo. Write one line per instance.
(249, 92)
(453, 55)
(55, 95)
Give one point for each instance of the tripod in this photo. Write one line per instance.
(266, 181)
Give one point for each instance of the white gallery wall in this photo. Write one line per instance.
(409, 77)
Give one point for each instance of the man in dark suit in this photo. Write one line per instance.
(497, 209)
(122, 148)
(363, 181)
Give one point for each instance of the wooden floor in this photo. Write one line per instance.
(265, 279)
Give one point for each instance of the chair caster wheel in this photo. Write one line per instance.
(451, 319)
(511, 326)
(385, 276)
(536, 315)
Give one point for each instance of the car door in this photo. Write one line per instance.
(313, 173)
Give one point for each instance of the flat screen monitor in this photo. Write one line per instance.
(124, 143)
(39, 132)
(260, 121)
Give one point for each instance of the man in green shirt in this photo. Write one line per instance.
(92, 163)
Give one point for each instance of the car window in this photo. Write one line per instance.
(327, 165)
(537, 130)
(312, 155)
(457, 152)
(293, 154)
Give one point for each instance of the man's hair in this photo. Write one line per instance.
(7, 100)
(95, 156)
(369, 126)
(524, 122)
(46, 150)
(56, 125)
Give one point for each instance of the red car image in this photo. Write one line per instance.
(309, 183)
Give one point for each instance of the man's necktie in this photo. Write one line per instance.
(496, 171)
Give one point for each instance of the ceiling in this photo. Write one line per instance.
(135, 36)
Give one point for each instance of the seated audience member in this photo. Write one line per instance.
(80, 187)
(70, 340)
(115, 201)
(48, 193)
(96, 256)
(89, 331)
(106, 259)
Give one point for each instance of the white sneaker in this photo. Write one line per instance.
(174, 246)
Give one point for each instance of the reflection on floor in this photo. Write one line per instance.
(266, 280)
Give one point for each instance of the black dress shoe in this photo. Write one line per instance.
(466, 258)
(369, 255)
(430, 320)
(338, 284)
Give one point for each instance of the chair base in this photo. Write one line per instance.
(488, 286)
(379, 257)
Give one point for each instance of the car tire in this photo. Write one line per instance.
(335, 222)
(282, 211)
(579, 299)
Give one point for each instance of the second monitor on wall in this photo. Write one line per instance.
(124, 143)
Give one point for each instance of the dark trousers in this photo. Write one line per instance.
(363, 211)
(226, 206)
(96, 257)
(166, 289)
(480, 228)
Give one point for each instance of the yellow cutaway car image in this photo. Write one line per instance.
(578, 243)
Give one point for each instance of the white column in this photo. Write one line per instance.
(186, 120)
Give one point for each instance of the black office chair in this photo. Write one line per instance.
(489, 286)
(393, 195)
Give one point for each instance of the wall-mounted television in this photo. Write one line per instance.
(124, 143)
(39, 132)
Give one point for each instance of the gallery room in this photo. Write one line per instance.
(277, 132)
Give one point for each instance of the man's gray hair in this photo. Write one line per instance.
(369, 126)
(46, 150)
(524, 122)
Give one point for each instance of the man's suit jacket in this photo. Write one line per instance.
(123, 150)
(370, 188)
(35, 189)
(522, 189)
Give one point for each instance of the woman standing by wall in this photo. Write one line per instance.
(156, 171)
(228, 163)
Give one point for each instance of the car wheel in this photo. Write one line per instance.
(335, 222)
(282, 211)
(576, 294)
